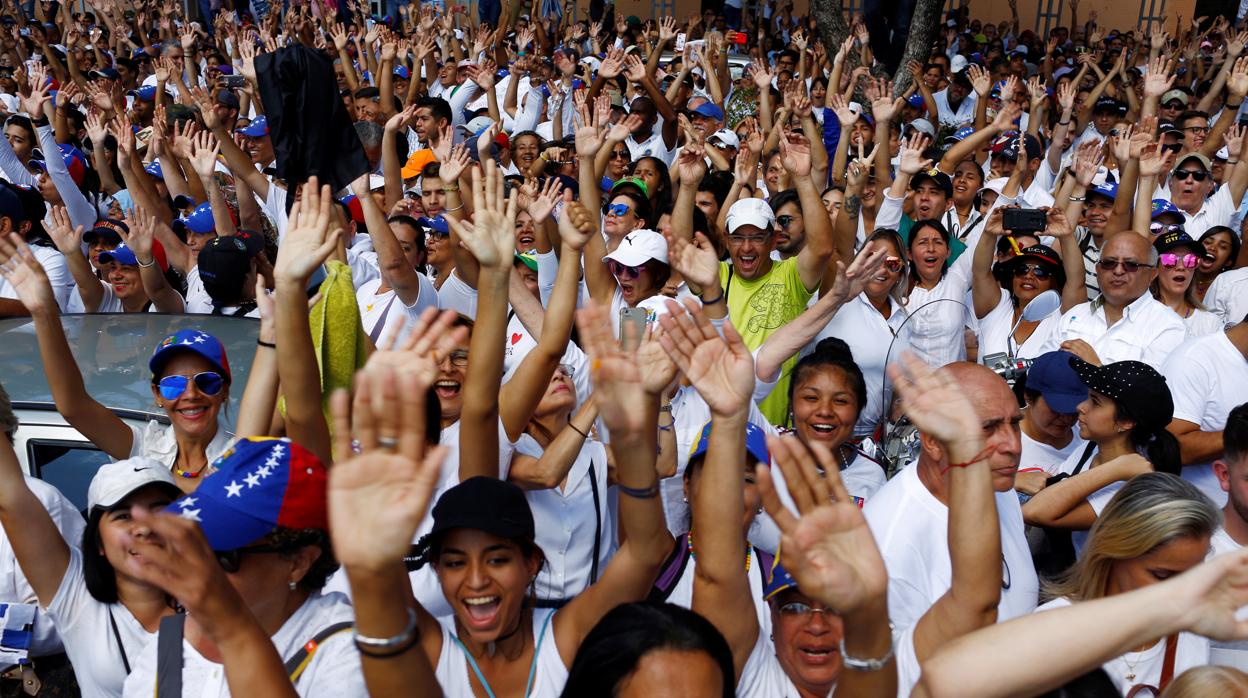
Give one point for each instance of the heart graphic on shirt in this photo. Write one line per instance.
(516, 337)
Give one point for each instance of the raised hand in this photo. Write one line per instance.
(840, 106)
(142, 234)
(1160, 77)
(545, 200)
(828, 548)
(634, 69)
(691, 165)
(1088, 158)
(576, 225)
(933, 402)
(204, 151)
(615, 374)
(795, 155)
(761, 74)
(912, 161)
(720, 368)
(1066, 96)
(612, 65)
(26, 275)
(867, 263)
(981, 80)
(309, 240)
(65, 235)
(695, 261)
(657, 368)
(1154, 160)
(455, 162)
(491, 237)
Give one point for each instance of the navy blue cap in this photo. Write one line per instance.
(755, 442)
(200, 221)
(107, 73)
(11, 206)
(1052, 376)
(710, 110)
(257, 128)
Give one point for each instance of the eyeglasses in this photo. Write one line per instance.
(1163, 228)
(618, 210)
(738, 240)
(894, 264)
(784, 221)
(620, 270)
(459, 358)
(1128, 266)
(232, 560)
(619, 154)
(1171, 261)
(1196, 129)
(1198, 175)
(1039, 271)
(568, 370)
(208, 382)
(797, 608)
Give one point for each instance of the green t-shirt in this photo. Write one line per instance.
(759, 307)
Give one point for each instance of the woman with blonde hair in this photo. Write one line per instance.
(1208, 681)
(1157, 526)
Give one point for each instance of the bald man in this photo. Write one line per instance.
(938, 524)
(1125, 322)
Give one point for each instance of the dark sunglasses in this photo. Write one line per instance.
(1198, 175)
(207, 382)
(1127, 266)
(1040, 271)
(232, 560)
(619, 154)
(784, 221)
(618, 269)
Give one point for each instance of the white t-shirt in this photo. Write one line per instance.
(58, 275)
(911, 528)
(455, 294)
(1202, 322)
(90, 642)
(1208, 377)
(14, 587)
(654, 146)
(73, 303)
(681, 593)
(564, 520)
(936, 334)
(1227, 296)
(994, 331)
(762, 675)
(333, 670)
(376, 306)
(1232, 653)
(1193, 651)
(1037, 456)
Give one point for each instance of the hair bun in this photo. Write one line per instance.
(834, 348)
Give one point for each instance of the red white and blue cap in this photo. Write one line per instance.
(195, 341)
(755, 442)
(261, 484)
(75, 162)
(778, 579)
(1161, 207)
(200, 221)
(122, 254)
(257, 128)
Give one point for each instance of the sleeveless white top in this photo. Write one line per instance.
(549, 676)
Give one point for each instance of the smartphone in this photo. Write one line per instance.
(233, 82)
(1023, 220)
(740, 38)
(680, 42)
(632, 327)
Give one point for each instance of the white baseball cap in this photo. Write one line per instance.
(639, 247)
(477, 125)
(958, 64)
(923, 126)
(750, 211)
(114, 482)
(726, 137)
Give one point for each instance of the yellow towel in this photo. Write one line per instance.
(338, 335)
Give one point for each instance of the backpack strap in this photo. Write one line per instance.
(672, 570)
(169, 656)
(301, 659)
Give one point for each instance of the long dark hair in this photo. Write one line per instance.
(1158, 445)
(615, 646)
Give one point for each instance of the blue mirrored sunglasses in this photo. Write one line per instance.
(207, 382)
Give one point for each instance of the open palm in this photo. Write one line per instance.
(720, 368)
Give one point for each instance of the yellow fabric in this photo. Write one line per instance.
(759, 307)
(338, 336)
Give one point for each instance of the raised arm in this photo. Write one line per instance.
(985, 290)
(813, 260)
(311, 237)
(395, 270)
(68, 239)
(141, 240)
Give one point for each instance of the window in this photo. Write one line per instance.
(66, 465)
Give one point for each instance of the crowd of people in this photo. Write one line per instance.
(599, 355)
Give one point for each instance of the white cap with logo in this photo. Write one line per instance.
(639, 247)
(726, 137)
(750, 211)
(114, 482)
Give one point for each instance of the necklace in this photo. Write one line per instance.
(1130, 677)
(692, 554)
(188, 474)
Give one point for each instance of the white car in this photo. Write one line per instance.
(112, 351)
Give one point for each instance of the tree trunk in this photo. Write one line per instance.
(924, 28)
(830, 17)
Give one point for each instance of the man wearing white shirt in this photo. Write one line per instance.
(1228, 296)
(1232, 472)
(1208, 377)
(955, 104)
(1125, 322)
(1191, 184)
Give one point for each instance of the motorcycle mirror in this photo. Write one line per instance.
(1041, 306)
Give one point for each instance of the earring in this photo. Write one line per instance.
(293, 586)
(685, 499)
(759, 512)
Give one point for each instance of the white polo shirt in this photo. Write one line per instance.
(1147, 331)
(1217, 210)
(1208, 377)
(964, 113)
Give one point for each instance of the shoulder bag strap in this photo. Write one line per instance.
(672, 570)
(1167, 667)
(121, 646)
(593, 488)
(1083, 460)
(301, 659)
(381, 322)
(169, 656)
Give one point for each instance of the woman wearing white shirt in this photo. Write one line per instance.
(190, 383)
(1175, 286)
(1156, 527)
(1124, 421)
(1002, 291)
(938, 290)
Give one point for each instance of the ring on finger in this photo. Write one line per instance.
(387, 443)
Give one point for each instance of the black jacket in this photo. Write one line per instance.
(311, 130)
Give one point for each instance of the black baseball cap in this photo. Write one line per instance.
(1178, 238)
(110, 229)
(225, 262)
(936, 177)
(1140, 391)
(483, 504)
(1110, 104)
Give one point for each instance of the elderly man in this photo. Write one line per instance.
(1125, 322)
(1192, 182)
(920, 522)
